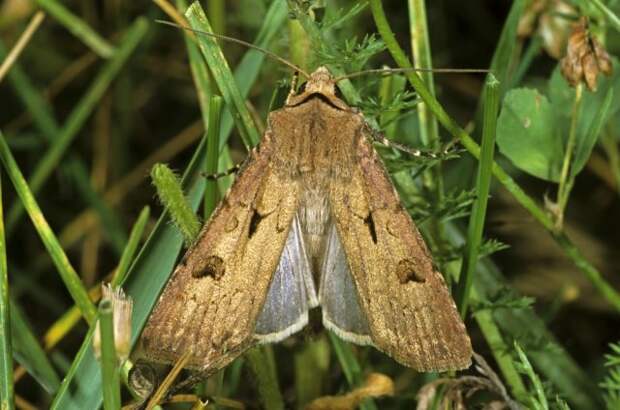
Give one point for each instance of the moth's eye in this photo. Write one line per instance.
(213, 266)
(408, 271)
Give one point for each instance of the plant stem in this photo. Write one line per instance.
(566, 177)
(479, 207)
(612, 296)
(213, 143)
(6, 351)
(109, 361)
(428, 129)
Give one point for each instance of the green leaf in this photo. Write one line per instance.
(527, 136)
(29, 353)
(596, 109)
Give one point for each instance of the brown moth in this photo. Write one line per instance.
(311, 220)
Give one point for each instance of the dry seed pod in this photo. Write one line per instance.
(585, 57)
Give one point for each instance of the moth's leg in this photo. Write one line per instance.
(446, 151)
(222, 174)
(293, 89)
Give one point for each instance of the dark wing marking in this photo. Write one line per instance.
(212, 301)
(408, 307)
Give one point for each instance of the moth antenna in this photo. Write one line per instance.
(445, 150)
(236, 40)
(404, 70)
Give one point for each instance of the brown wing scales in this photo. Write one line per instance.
(211, 302)
(411, 314)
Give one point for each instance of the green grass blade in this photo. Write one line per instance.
(33, 101)
(222, 75)
(554, 362)
(429, 132)
(350, 366)
(110, 222)
(29, 353)
(213, 136)
(132, 245)
(65, 269)
(608, 13)
(483, 185)
(81, 387)
(593, 275)
(78, 27)
(263, 366)
(500, 349)
(80, 114)
(502, 63)
(200, 72)
(109, 361)
(6, 352)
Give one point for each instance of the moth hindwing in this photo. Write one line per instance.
(312, 219)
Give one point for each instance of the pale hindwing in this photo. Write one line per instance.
(210, 305)
(410, 313)
(338, 298)
(291, 292)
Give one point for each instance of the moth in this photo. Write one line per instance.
(312, 219)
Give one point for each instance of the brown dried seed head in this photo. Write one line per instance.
(585, 58)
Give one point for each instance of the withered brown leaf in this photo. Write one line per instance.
(585, 57)
(312, 204)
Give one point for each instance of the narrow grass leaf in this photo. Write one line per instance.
(68, 274)
(213, 136)
(81, 387)
(29, 353)
(132, 245)
(78, 27)
(523, 324)
(80, 114)
(110, 222)
(222, 75)
(483, 185)
(6, 352)
(602, 286)
(350, 366)
(108, 360)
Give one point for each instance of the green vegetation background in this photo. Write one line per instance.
(101, 93)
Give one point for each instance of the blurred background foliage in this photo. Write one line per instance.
(100, 93)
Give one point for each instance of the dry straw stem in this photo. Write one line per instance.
(23, 40)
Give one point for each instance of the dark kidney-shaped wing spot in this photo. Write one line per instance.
(213, 266)
(370, 223)
(256, 218)
(408, 271)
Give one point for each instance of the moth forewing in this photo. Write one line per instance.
(313, 200)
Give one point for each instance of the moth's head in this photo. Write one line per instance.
(321, 81)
